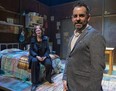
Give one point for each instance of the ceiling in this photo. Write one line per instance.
(55, 2)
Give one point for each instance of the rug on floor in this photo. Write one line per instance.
(108, 84)
(13, 84)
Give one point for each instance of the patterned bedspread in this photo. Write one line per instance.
(9, 61)
(11, 57)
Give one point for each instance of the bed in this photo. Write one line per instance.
(14, 62)
(8, 45)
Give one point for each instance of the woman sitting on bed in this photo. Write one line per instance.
(39, 53)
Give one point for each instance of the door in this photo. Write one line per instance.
(66, 32)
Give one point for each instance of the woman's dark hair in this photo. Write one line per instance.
(80, 4)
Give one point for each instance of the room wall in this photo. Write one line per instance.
(103, 14)
(15, 9)
(64, 11)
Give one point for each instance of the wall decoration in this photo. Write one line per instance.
(33, 19)
(22, 36)
(58, 41)
(57, 35)
(52, 18)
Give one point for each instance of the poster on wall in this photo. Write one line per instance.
(57, 35)
(58, 41)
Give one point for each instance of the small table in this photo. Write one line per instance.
(110, 52)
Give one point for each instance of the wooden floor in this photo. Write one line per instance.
(12, 84)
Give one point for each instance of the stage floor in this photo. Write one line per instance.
(12, 84)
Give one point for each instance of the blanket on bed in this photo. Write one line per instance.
(9, 61)
(14, 62)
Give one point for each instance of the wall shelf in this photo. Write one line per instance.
(8, 11)
(10, 24)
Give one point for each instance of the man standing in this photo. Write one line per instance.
(86, 54)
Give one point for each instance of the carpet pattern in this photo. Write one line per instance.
(12, 84)
(108, 84)
(56, 86)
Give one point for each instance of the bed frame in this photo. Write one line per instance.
(8, 46)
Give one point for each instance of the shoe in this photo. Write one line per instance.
(51, 81)
(33, 88)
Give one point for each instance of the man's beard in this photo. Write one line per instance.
(79, 29)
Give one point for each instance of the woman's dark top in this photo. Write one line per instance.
(38, 48)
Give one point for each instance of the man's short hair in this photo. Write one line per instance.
(80, 4)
